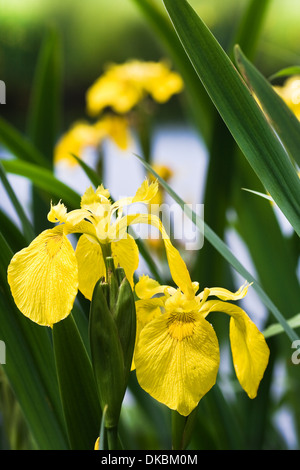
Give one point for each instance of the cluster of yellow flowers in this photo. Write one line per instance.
(176, 353)
(119, 90)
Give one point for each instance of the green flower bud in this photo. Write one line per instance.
(112, 328)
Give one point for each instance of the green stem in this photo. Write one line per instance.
(112, 438)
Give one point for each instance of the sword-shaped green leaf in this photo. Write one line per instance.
(238, 108)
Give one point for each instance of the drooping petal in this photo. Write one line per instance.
(91, 265)
(43, 278)
(250, 351)
(177, 359)
(126, 254)
(177, 266)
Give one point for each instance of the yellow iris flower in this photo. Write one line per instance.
(177, 352)
(45, 276)
(122, 87)
(82, 134)
(290, 93)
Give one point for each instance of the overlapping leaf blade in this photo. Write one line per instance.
(239, 110)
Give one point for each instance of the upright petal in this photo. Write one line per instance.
(91, 265)
(146, 192)
(147, 288)
(250, 352)
(43, 278)
(126, 254)
(178, 268)
(177, 359)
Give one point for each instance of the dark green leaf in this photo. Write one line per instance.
(239, 110)
(77, 385)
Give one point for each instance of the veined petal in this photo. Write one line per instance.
(146, 310)
(250, 351)
(91, 265)
(178, 269)
(43, 278)
(177, 360)
(126, 254)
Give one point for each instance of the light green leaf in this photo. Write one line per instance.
(286, 72)
(275, 329)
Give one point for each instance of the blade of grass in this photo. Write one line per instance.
(238, 108)
(277, 328)
(225, 252)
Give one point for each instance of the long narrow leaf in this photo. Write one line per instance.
(26, 225)
(226, 253)
(238, 108)
(43, 179)
(44, 115)
(77, 385)
(282, 118)
(19, 145)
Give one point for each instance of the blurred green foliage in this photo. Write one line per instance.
(96, 32)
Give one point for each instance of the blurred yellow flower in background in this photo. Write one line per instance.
(82, 134)
(121, 87)
(290, 93)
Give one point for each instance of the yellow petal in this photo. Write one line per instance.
(146, 310)
(126, 254)
(225, 294)
(57, 213)
(178, 268)
(177, 359)
(250, 351)
(91, 265)
(79, 136)
(146, 192)
(147, 287)
(43, 278)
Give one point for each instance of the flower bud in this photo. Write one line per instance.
(112, 338)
